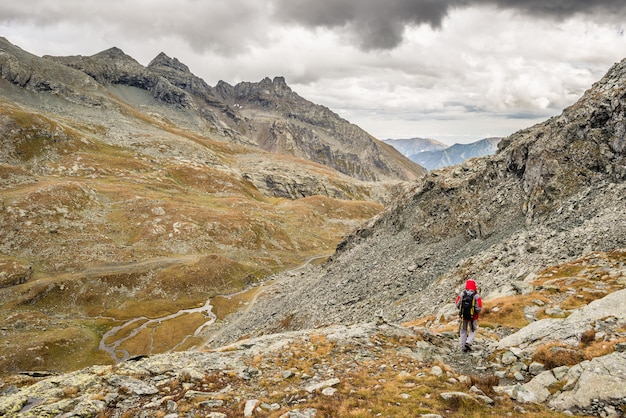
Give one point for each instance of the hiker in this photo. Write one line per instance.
(469, 304)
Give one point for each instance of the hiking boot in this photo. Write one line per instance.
(467, 348)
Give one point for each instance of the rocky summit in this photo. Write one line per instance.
(251, 313)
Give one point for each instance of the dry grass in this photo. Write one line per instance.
(382, 383)
(225, 305)
(555, 354)
(582, 298)
(509, 310)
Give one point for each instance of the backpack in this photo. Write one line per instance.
(467, 305)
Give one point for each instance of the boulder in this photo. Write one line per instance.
(600, 380)
(553, 329)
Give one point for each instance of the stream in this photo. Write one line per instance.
(121, 354)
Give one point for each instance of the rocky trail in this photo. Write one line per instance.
(379, 368)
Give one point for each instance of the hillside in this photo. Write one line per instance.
(553, 367)
(130, 195)
(267, 114)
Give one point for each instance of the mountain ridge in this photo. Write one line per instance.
(455, 154)
(432, 154)
(170, 81)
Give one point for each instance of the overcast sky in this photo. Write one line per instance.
(453, 70)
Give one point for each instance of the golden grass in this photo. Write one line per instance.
(226, 305)
(510, 310)
(582, 298)
(170, 333)
(555, 354)
(57, 348)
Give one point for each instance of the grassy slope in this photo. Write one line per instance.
(114, 233)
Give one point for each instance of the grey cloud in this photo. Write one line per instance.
(560, 8)
(378, 24)
(221, 26)
(231, 27)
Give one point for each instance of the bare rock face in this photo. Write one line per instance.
(36, 75)
(583, 145)
(268, 114)
(281, 121)
(113, 66)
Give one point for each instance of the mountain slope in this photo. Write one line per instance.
(124, 196)
(553, 192)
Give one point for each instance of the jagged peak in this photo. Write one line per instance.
(165, 61)
(278, 84)
(113, 53)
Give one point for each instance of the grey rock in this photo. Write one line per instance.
(298, 413)
(508, 358)
(539, 386)
(321, 385)
(535, 368)
(133, 385)
(560, 372)
(546, 330)
(602, 378)
(436, 371)
(452, 395)
(555, 311)
(249, 407)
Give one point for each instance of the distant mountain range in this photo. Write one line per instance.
(432, 154)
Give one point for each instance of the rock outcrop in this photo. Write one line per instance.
(568, 330)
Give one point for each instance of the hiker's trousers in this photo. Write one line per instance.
(468, 338)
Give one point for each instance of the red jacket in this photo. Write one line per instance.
(471, 285)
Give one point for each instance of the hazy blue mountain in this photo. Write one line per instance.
(432, 154)
(411, 146)
(456, 154)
